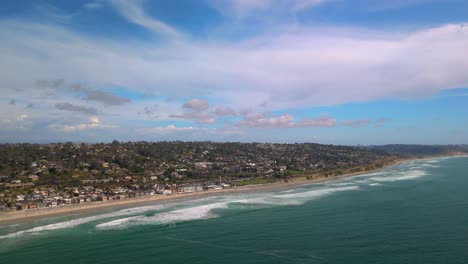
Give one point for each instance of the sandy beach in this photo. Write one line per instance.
(32, 214)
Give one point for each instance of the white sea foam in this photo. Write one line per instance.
(83, 220)
(362, 181)
(430, 165)
(294, 198)
(375, 184)
(141, 209)
(288, 191)
(360, 176)
(206, 211)
(175, 216)
(115, 223)
(400, 176)
(315, 193)
(268, 200)
(342, 183)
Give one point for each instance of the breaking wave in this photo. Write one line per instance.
(204, 208)
(83, 220)
(316, 193)
(206, 211)
(181, 215)
(430, 165)
(385, 176)
(400, 176)
(292, 198)
(342, 183)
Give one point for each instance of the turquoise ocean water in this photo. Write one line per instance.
(412, 213)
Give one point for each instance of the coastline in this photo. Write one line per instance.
(34, 214)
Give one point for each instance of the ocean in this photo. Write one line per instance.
(416, 212)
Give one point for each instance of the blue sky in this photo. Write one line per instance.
(327, 71)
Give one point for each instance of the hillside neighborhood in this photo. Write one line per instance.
(50, 175)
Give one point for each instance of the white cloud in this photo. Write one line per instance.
(223, 111)
(76, 108)
(379, 6)
(18, 122)
(299, 5)
(198, 117)
(22, 117)
(262, 120)
(196, 104)
(322, 121)
(240, 8)
(170, 129)
(293, 68)
(87, 93)
(93, 123)
(134, 12)
(195, 109)
(93, 5)
(190, 133)
(173, 132)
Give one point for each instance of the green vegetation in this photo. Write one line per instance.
(254, 181)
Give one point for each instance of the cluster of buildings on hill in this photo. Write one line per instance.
(54, 174)
(51, 197)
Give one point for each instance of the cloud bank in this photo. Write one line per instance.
(60, 72)
(293, 68)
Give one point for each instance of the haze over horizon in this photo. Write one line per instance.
(324, 71)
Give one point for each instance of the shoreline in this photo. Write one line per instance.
(34, 214)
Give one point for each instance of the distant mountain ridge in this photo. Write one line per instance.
(422, 150)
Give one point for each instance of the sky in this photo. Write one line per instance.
(359, 72)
